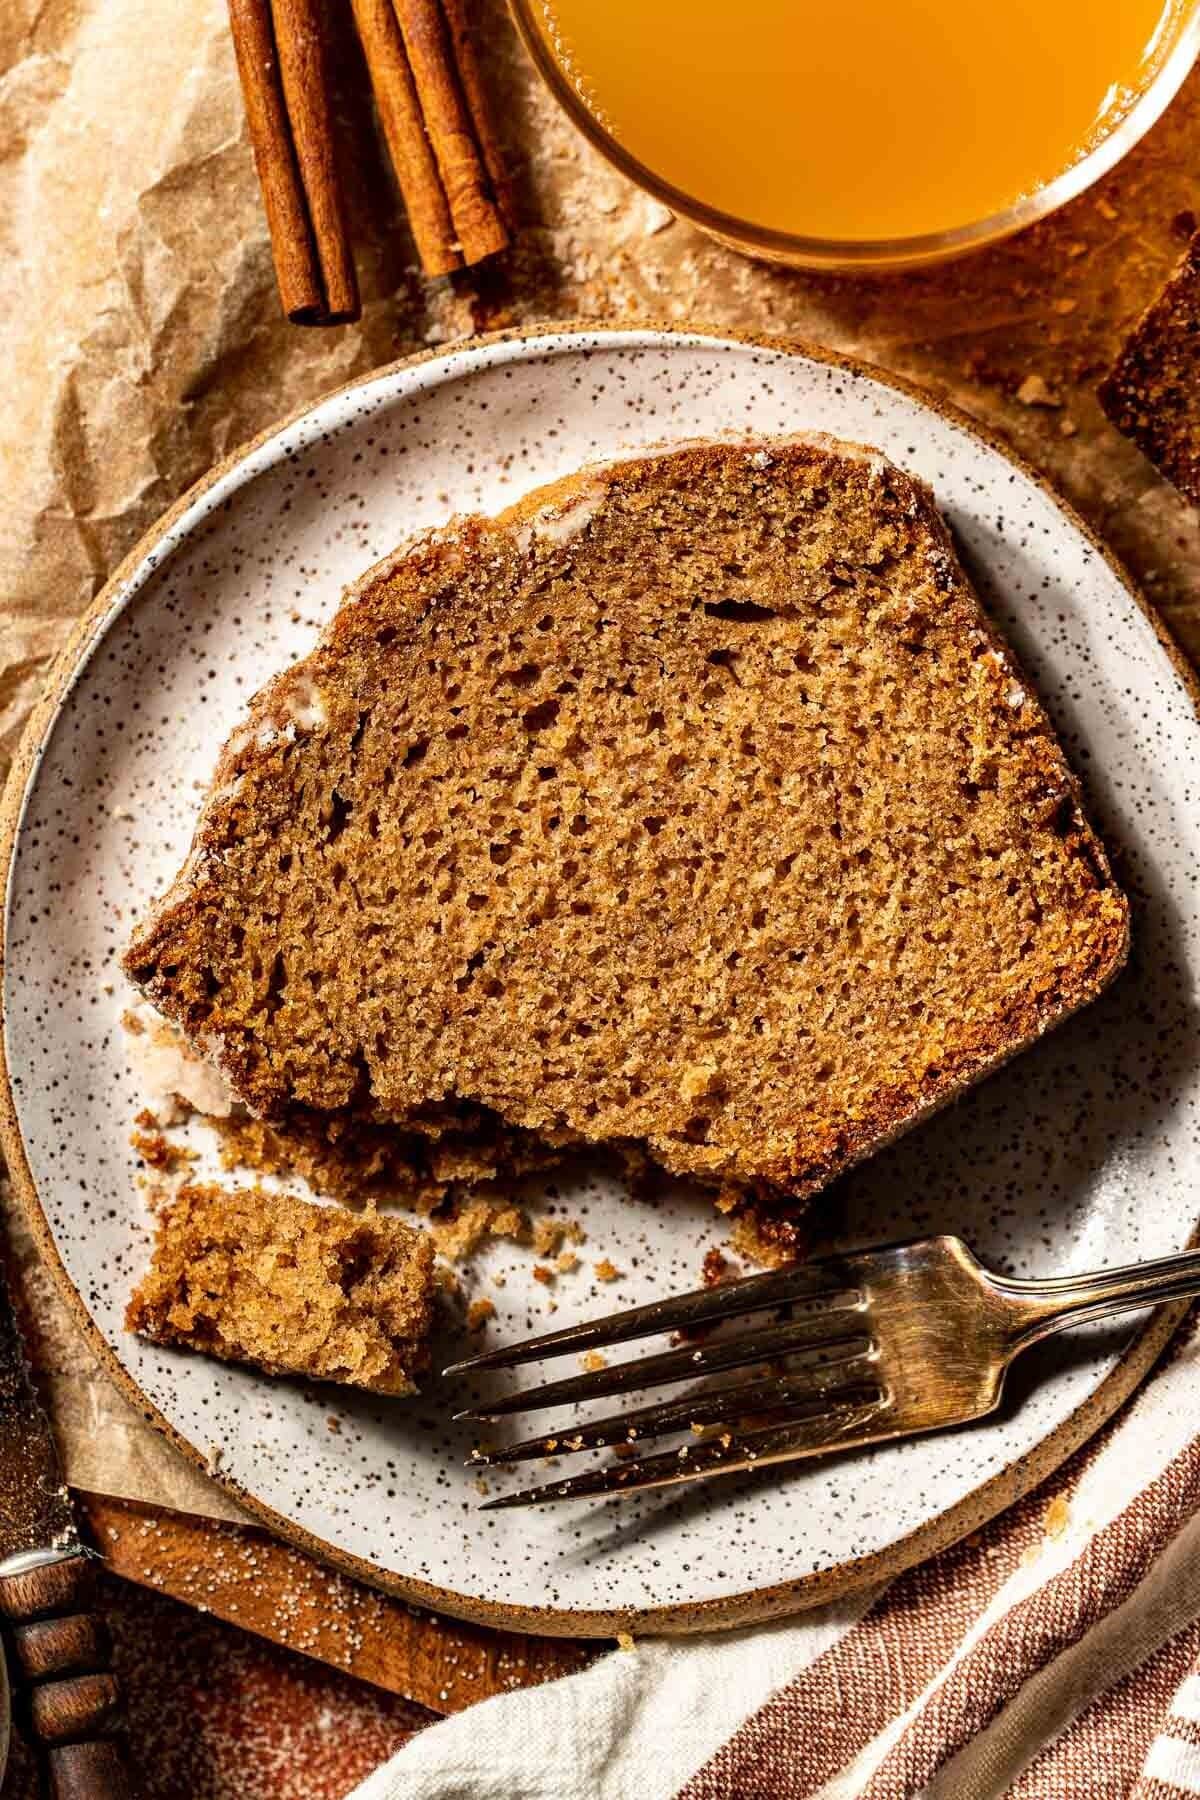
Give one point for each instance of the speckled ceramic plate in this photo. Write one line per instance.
(1083, 1152)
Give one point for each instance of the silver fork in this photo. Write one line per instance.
(871, 1345)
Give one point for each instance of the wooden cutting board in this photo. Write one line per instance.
(246, 1577)
(250, 1579)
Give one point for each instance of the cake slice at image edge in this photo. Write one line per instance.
(692, 804)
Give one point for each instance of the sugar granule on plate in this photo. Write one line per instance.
(458, 1236)
(548, 1235)
(510, 1222)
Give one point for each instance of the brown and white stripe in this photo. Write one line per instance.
(1172, 1765)
(1055, 1655)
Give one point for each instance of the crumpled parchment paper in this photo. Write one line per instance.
(143, 340)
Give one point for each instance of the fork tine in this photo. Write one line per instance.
(811, 1334)
(857, 1423)
(713, 1406)
(826, 1280)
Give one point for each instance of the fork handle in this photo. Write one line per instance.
(1043, 1307)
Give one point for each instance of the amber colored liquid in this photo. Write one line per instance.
(856, 119)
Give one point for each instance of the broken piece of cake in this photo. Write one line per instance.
(292, 1287)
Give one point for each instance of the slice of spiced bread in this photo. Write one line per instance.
(692, 803)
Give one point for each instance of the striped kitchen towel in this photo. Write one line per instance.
(1053, 1655)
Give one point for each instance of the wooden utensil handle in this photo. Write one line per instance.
(67, 1695)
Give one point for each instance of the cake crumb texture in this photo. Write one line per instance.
(293, 1288)
(1152, 393)
(723, 826)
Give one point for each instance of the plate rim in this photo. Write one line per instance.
(755, 1605)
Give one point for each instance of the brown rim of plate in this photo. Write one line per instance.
(759, 1604)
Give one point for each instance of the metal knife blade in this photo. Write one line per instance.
(35, 1508)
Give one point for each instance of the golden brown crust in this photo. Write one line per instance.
(693, 802)
(292, 1288)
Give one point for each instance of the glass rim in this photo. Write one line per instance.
(848, 253)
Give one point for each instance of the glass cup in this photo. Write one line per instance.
(850, 254)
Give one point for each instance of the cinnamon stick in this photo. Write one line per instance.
(477, 222)
(308, 237)
(466, 55)
(408, 145)
(296, 268)
(302, 66)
